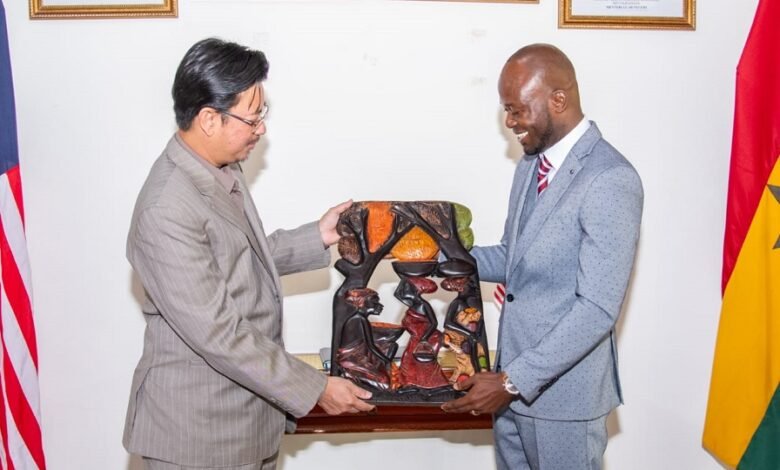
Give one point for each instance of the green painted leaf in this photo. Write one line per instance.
(466, 237)
(462, 215)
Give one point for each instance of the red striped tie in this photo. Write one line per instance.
(498, 294)
(541, 178)
(541, 184)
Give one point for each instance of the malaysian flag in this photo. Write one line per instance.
(20, 428)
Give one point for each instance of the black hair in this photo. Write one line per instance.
(212, 74)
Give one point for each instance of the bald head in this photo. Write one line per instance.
(538, 89)
(550, 64)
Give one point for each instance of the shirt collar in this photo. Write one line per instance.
(557, 153)
(223, 175)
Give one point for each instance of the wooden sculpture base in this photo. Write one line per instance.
(391, 418)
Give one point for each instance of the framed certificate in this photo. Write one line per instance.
(627, 14)
(47, 9)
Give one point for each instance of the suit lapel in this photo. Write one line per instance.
(258, 233)
(549, 199)
(218, 200)
(520, 204)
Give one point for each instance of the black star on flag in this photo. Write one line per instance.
(776, 193)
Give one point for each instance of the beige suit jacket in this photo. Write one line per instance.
(214, 383)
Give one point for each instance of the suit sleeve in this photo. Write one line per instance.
(609, 217)
(173, 256)
(492, 260)
(298, 250)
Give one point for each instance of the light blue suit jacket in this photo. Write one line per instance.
(567, 267)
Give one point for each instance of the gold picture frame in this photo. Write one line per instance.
(52, 9)
(627, 14)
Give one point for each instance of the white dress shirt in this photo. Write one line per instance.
(557, 153)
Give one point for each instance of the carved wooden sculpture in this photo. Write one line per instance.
(428, 240)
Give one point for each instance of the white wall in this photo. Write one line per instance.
(371, 100)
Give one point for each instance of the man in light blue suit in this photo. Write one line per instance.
(566, 257)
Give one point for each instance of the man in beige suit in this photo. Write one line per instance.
(215, 387)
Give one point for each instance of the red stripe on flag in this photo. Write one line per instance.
(17, 296)
(24, 418)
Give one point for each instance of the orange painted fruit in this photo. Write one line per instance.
(416, 245)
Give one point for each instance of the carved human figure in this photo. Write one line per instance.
(466, 299)
(469, 318)
(409, 291)
(459, 343)
(415, 372)
(357, 355)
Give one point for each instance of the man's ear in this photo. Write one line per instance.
(559, 101)
(206, 120)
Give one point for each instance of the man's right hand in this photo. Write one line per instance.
(343, 396)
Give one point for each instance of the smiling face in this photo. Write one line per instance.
(530, 107)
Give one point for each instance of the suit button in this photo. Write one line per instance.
(510, 297)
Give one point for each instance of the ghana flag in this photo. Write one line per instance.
(742, 427)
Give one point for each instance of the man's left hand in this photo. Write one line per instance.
(328, 223)
(486, 395)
